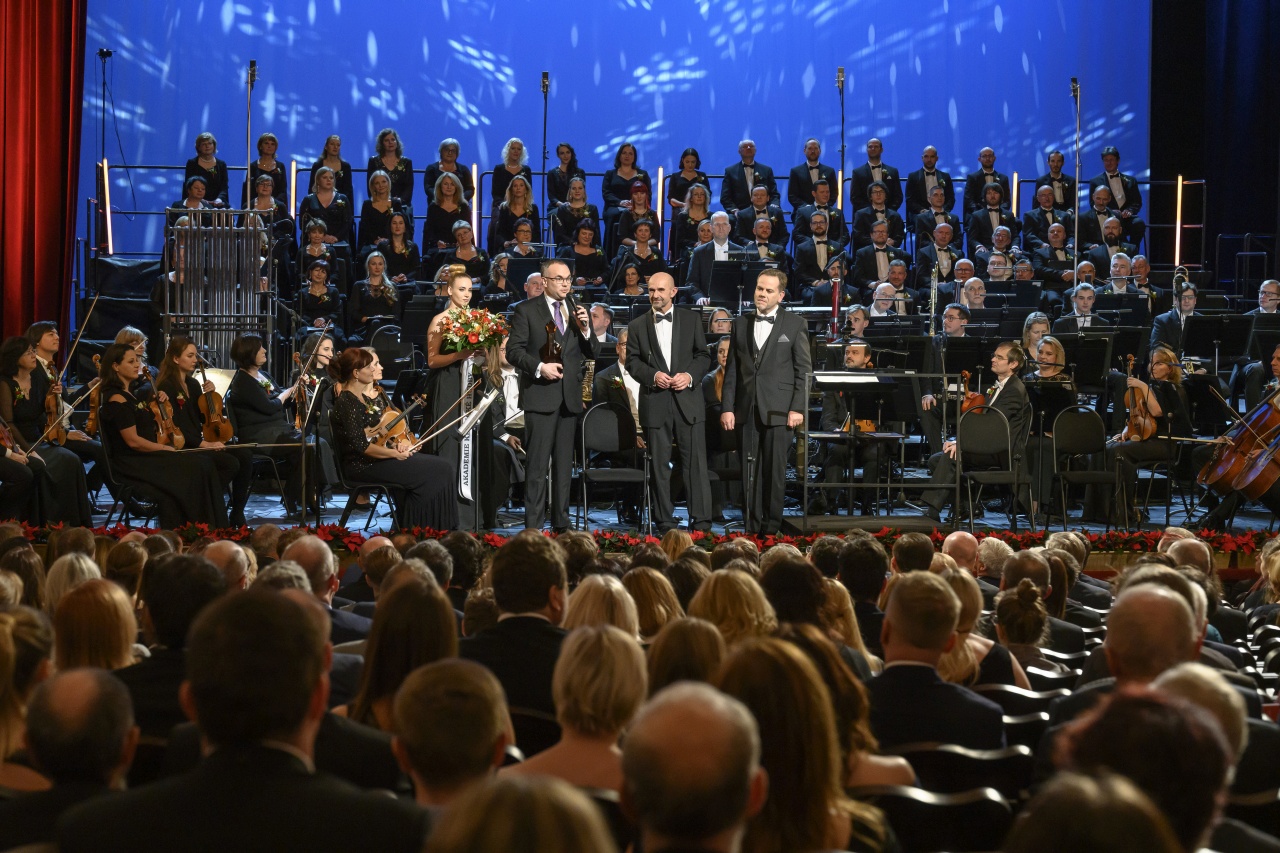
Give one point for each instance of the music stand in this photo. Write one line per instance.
(1027, 294)
(1125, 340)
(1129, 309)
(865, 392)
(1225, 336)
(1087, 358)
(1264, 336)
(730, 281)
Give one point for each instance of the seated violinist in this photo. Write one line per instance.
(1050, 367)
(838, 417)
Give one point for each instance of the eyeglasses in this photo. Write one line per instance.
(556, 279)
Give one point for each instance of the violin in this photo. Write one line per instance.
(393, 426)
(54, 431)
(167, 431)
(1142, 424)
(95, 400)
(6, 436)
(217, 426)
(972, 399)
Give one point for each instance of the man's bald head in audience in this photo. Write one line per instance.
(1150, 629)
(230, 559)
(962, 546)
(1192, 552)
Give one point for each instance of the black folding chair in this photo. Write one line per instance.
(972, 820)
(605, 431)
(353, 487)
(1078, 433)
(123, 493)
(979, 433)
(1016, 700)
(947, 768)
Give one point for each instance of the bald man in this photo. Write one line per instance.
(359, 588)
(1231, 623)
(962, 546)
(230, 559)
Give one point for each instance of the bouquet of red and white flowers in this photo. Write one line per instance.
(471, 328)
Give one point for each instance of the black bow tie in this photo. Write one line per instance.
(927, 172)
(658, 318)
(1110, 175)
(993, 210)
(760, 318)
(882, 248)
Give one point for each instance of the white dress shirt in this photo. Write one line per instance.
(1117, 189)
(761, 331)
(721, 250)
(512, 417)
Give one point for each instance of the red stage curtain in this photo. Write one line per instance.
(42, 71)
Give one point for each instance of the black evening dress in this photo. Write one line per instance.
(444, 386)
(62, 490)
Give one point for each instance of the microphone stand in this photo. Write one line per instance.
(840, 89)
(546, 87)
(248, 129)
(1075, 202)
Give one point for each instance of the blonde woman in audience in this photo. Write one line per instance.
(602, 600)
(842, 622)
(102, 546)
(943, 562)
(66, 573)
(27, 565)
(598, 685)
(95, 626)
(1022, 626)
(974, 659)
(655, 600)
(26, 643)
(733, 601)
(674, 542)
(538, 814)
(686, 649)
(807, 808)
(776, 553)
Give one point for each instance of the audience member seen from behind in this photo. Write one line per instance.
(1105, 813)
(26, 648)
(1022, 626)
(95, 626)
(687, 649)
(655, 600)
(602, 600)
(976, 659)
(733, 602)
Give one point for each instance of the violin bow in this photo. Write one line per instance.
(80, 334)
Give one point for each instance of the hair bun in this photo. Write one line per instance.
(1028, 593)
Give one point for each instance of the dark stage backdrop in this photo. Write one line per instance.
(664, 74)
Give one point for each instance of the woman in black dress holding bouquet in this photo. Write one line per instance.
(455, 367)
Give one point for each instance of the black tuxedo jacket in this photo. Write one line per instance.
(689, 354)
(746, 220)
(807, 269)
(245, 798)
(865, 272)
(926, 261)
(862, 179)
(700, 263)
(866, 217)
(918, 194)
(975, 185)
(1047, 266)
(345, 626)
(911, 704)
(837, 230)
(529, 321)
(1069, 324)
(153, 684)
(800, 185)
(1035, 226)
(1090, 595)
(734, 192)
(522, 652)
(978, 228)
(925, 222)
(769, 381)
(1068, 184)
(1016, 406)
(604, 389)
(1166, 329)
(1100, 257)
(1091, 226)
(1132, 195)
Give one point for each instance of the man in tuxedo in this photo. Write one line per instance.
(761, 208)
(601, 323)
(257, 689)
(1036, 222)
(910, 703)
(698, 284)
(954, 319)
(550, 391)
(883, 298)
(934, 214)
(1009, 396)
(1126, 198)
(904, 298)
(981, 224)
(821, 202)
(521, 649)
(668, 356)
(764, 393)
(1166, 329)
(1111, 245)
(318, 561)
(1063, 186)
(940, 255)
(813, 260)
(975, 183)
(1054, 262)
(870, 454)
(1256, 375)
(1094, 220)
(804, 178)
(1082, 317)
(1001, 245)
(768, 250)
(871, 263)
(871, 172)
(921, 182)
(742, 177)
(877, 211)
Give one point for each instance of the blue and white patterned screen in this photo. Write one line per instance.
(665, 74)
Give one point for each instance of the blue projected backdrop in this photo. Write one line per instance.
(664, 74)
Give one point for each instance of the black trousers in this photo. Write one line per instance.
(549, 448)
(18, 489)
(767, 477)
(691, 442)
(871, 455)
(90, 451)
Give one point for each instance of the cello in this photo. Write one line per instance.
(1254, 432)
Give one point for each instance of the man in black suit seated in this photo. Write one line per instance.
(764, 395)
(962, 546)
(910, 703)
(1063, 636)
(954, 318)
(1122, 279)
(871, 455)
(452, 729)
(975, 183)
(1001, 245)
(318, 561)
(871, 172)
(529, 587)
(1100, 256)
(864, 570)
(361, 587)
(1036, 222)
(904, 298)
(602, 322)
(667, 354)
(939, 254)
(1258, 374)
(257, 689)
(766, 248)
(1054, 263)
(1094, 220)
(550, 391)
(981, 224)
(813, 262)
(1082, 317)
(691, 771)
(805, 177)
(921, 182)
(175, 589)
(1009, 396)
(871, 262)
(933, 215)
(1061, 184)
(81, 737)
(836, 230)
(877, 210)
(1166, 329)
(760, 208)
(741, 177)
(698, 284)
(1126, 198)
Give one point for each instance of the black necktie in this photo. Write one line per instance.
(658, 318)
(760, 318)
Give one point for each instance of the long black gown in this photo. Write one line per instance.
(62, 491)
(444, 386)
(184, 486)
(234, 465)
(426, 483)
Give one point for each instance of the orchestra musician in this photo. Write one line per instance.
(425, 484)
(1050, 367)
(1221, 512)
(550, 388)
(184, 486)
(836, 417)
(177, 386)
(318, 392)
(954, 319)
(667, 355)
(43, 337)
(764, 396)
